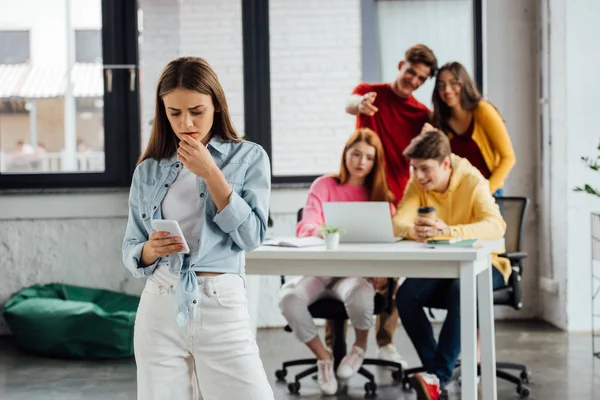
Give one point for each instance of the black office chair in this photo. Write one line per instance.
(514, 210)
(333, 309)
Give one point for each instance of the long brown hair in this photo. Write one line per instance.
(375, 182)
(195, 74)
(469, 95)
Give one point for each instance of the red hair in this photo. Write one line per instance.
(375, 182)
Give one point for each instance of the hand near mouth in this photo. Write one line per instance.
(195, 156)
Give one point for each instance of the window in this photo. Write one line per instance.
(14, 51)
(14, 47)
(54, 130)
(88, 46)
(426, 22)
(313, 70)
(219, 22)
(302, 62)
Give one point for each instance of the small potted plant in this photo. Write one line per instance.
(331, 234)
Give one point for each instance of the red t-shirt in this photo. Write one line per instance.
(397, 122)
(465, 147)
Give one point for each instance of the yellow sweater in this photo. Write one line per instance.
(467, 207)
(491, 136)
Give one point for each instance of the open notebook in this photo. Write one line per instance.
(293, 241)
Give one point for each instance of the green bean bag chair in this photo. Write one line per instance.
(72, 322)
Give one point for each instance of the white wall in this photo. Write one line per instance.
(552, 184)
(583, 101)
(583, 137)
(571, 100)
(511, 75)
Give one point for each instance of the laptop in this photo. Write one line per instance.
(361, 221)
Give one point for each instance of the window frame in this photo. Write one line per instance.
(83, 32)
(23, 31)
(121, 110)
(257, 74)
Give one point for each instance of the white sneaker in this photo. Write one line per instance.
(351, 363)
(326, 377)
(389, 353)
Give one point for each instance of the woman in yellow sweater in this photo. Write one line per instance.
(474, 126)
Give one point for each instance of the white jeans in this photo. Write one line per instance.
(357, 294)
(215, 351)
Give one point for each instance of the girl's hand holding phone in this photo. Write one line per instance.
(160, 245)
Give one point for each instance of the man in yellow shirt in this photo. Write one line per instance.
(464, 208)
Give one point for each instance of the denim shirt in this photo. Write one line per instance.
(224, 236)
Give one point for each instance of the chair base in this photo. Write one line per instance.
(338, 353)
(370, 385)
(521, 381)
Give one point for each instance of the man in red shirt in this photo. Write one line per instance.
(391, 110)
(397, 117)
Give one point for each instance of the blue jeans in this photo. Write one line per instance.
(414, 294)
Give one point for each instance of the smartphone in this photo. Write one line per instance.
(171, 226)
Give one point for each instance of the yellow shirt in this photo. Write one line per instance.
(491, 136)
(467, 207)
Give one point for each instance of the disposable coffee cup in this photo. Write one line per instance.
(426, 212)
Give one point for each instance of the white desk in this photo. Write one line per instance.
(412, 260)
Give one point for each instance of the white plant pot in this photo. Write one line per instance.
(332, 240)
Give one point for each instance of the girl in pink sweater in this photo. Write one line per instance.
(361, 178)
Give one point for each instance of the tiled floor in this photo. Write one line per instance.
(562, 366)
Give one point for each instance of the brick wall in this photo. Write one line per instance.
(213, 31)
(208, 29)
(160, 44)
(315, 63)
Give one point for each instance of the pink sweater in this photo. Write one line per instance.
(326, 189)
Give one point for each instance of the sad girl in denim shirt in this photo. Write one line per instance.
(192, 329)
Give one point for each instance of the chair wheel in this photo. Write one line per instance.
(406, 384)
(523, 391)
(525, 376)
(281, 374)
(370, 390)
(294, 387)
(397, 376)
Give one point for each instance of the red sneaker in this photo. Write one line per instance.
(426, 385)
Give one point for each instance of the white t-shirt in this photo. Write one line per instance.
(182, 204)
